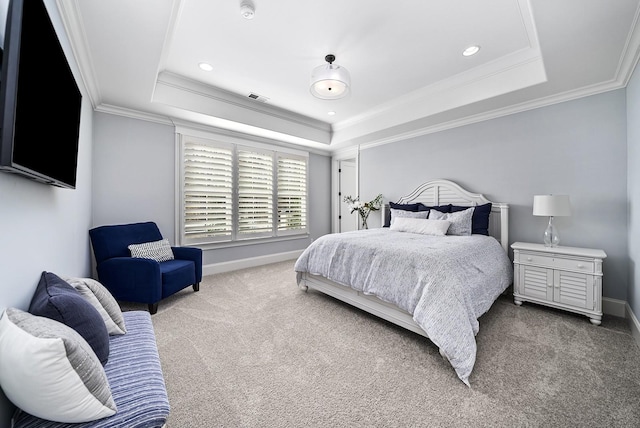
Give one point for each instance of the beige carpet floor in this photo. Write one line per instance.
(252, 350)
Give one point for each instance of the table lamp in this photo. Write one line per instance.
(551, 206)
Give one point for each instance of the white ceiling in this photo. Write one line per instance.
(405, 59)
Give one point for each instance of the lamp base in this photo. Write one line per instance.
(551, 237)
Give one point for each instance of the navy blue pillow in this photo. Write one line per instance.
(56, 299)
(480, 219)
(405, 207)
(441, 208)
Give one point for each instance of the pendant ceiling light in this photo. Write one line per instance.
(330, 81)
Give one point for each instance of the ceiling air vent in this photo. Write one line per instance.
(257, 97)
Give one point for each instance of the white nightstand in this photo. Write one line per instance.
(566, 278)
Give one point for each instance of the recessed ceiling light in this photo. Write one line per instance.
(205, 66)
(331, 113)
(471, 50)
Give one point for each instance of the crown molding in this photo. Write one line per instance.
(134, 114)
(496, 113)
(76, 35)
(630, 53)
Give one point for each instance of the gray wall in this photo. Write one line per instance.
(577, 147)
(633, 188)
(44, 227)
(134, 180)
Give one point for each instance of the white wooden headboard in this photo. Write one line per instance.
(442, 192)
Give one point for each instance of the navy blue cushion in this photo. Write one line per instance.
(480, 219)
(56, 299)
(175, 273)
(441, 208)
(404, 207)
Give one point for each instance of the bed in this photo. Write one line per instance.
(432, 284)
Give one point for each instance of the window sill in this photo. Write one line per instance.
(248, 241)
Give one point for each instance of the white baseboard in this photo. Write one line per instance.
(249, 262)
(614, 307)
(634, 324)
(621, 308)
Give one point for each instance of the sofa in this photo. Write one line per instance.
(60, 375)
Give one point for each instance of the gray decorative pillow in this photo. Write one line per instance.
(101, 299)
(159, 251)
(395, 213)
(460, 221)
(48, 370)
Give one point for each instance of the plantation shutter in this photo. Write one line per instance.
(292, 193)
(255, 192)
(231, 192)
(208, 192)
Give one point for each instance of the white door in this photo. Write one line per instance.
(347, 187)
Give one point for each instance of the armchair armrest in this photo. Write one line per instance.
(131, 279)
(190, 253)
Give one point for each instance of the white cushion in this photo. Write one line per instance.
(396, 213)
(460, 221)
(159, 251)
(422, 226)
(101, 299)
(48, 370)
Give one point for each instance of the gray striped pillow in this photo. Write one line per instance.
(159, 251)
(104, 302)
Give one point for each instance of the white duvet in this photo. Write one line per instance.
(445, 282)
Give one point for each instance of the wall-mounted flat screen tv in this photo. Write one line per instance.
(40, 102)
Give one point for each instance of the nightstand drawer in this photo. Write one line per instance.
(574, 265)
(535, 259)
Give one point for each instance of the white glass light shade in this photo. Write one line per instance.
(551, 205)
(330, 82)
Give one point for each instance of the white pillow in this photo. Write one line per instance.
(396, 213)
(101, 299)
(159, 251)
(460, 221)
(422, 226)
(48, 370)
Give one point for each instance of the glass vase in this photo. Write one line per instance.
(364, 217)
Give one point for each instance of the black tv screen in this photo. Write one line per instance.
(40, 102)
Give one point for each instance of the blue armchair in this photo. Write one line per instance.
(142, 280)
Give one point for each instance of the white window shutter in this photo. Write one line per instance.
(233, 192)
(208, 193)
(292, 193)
(255, 193)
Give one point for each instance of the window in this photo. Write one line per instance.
(234, 192)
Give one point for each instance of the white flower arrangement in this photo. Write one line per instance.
(364, 209)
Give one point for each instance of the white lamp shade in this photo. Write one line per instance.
(330, 81)
(551, 205)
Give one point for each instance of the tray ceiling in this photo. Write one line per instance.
(408, 74)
